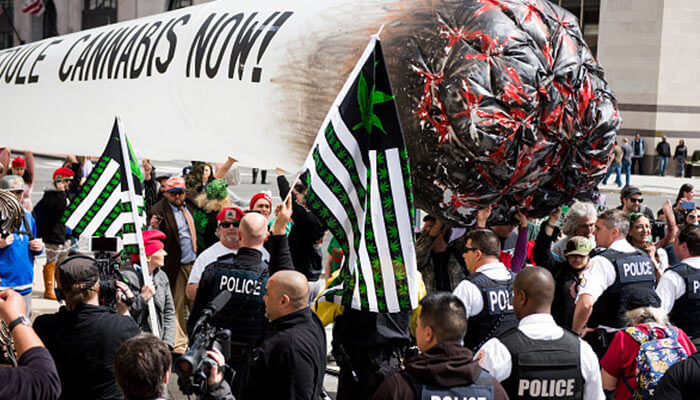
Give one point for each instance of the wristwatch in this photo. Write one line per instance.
(22, 319)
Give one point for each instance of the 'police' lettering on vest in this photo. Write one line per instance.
(239, 285)
(642, 268)
(433, 397)
(696, 286)
(500, 300)
(546, 387)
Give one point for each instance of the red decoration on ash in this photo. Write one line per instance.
(519, 108)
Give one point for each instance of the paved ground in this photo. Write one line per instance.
(656, 190)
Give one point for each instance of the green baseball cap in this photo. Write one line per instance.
(578, 246)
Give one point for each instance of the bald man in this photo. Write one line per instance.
(291, 360)
(539, 358)
(245, 275)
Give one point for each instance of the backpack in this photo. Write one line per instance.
(656, 355)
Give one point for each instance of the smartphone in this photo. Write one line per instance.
(688, 205)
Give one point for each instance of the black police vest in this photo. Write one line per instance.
(244, 314)
(543, 369)
(497, 316)
(482, 389)
(686, 310)
(632, 270)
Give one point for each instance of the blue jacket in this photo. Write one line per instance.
(17, 261)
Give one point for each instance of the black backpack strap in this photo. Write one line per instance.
(27, 226)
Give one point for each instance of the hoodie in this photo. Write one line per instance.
(447, 364)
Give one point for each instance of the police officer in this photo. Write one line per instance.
(487, 291)
(445, 369)
(367, 346)
(244, 275)
(539, 359)
(613, 274)
(368, 358)
(679, 286)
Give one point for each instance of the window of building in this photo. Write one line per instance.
(6, 18)
(98, 4)
(99, 12)
(587, 12)
(175, 4)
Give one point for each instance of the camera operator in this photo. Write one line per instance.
(83, 336)
(142, 369)
(158, 289)
(35, 377)
(245, 276)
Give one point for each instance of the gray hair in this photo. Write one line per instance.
(614, 218)
(644, 314)
(578, 211)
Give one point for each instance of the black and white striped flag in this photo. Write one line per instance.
(103, 206)
(359, 183)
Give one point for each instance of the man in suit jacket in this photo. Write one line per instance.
(172, 216)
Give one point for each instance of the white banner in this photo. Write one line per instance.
(252, 80)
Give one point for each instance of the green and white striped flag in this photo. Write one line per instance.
(103, 208)
(359, 183)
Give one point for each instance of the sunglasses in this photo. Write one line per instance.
(235, 224)
(468, 249)
(639, 200)
(178, 193)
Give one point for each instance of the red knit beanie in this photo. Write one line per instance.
(152, 241)
(19, 162)
(63, 172)
(259, 196)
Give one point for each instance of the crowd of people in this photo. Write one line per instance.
(582, 304)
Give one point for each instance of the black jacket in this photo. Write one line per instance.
(681, 381)
(35, 377)
(663, 149)
(681, 151)
(447, 364)
(304, 236)
(53, 205)
(290, 362)
(564, 304)
(82, 342)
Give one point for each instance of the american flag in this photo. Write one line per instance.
(359, 183)
(33, 7)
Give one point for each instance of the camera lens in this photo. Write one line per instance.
(184, 366)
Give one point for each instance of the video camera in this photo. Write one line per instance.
(107, 256)
(658, 229)
(194, 367)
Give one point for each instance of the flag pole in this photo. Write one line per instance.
(291, 187)
(139, 239)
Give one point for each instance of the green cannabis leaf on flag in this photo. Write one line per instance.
(367, 99)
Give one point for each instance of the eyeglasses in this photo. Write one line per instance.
(178, 193)
(468, 249)
(235, 224)
(692, 217)
(637, 200)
